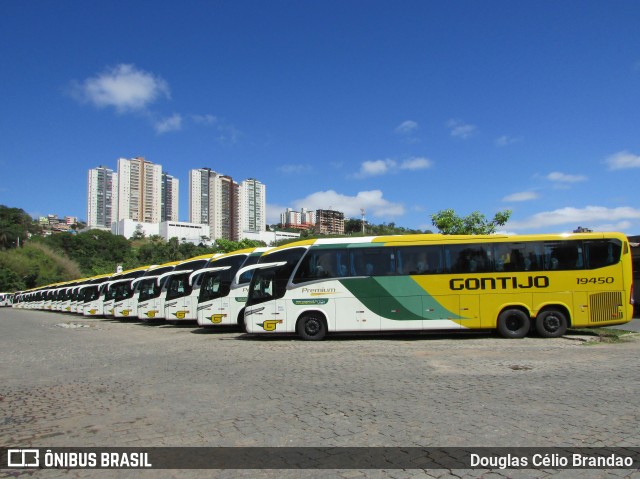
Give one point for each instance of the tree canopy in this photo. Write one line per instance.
(449, 223)
(16, 225)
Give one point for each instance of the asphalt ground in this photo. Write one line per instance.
(72, 381)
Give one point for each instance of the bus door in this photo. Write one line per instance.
(268, 312)
(179, 304)
(211, 305)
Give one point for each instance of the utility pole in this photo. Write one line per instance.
(362, 214)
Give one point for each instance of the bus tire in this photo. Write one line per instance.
(241, 324)
(551, 323)
(513, 324)
(311, 327)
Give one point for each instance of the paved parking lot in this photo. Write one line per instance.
(67, 381)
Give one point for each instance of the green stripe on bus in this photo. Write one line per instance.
(395, 298)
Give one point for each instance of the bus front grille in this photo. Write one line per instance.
(605, 307)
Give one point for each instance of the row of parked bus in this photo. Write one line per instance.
(513, 284)
(200, 288)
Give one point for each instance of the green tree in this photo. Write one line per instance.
(96, 251)
(16, 226)
(449, 223)
(138, 233)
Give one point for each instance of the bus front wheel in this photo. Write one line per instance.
(311, 327)
(551, 324)
(241, 324)
(513, 324)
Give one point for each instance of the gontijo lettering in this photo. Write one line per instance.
(500, 282)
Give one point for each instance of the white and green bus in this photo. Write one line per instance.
(127, 307)
(220, 296)
(512, 284)
(6, 299)
(182, 295)
(94, 295)
(171, 284)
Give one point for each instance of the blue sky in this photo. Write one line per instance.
(401, 108)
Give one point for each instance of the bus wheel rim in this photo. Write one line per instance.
(312, 327)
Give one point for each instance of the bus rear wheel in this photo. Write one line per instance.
(551, 323)
(513, 324)
(311, 327)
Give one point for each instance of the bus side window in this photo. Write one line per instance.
(322, 263)
(602, 253)
(468, 259)
(563, 255)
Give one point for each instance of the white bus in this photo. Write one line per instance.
(94, 296)
(151, 297)
(6, 299)
(66, 296)
(177, 289)
(120, 288)
(51, 297)
(182, 297)
(220, 296)
(512, 284)
(128, 307)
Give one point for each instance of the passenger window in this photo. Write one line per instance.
(563, 255)
(322, 264)
(602, 253)
(419, 260)
(469, 259)
(515, 257)
(373, 261)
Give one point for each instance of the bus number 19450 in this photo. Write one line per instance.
(600, 280)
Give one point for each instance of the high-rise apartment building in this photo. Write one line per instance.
(303, 219)
(252, 206)
(329, 222)
(102, 198)
(139, 190)
(169, 198)
(213, 200)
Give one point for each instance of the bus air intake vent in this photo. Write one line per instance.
(605, 307)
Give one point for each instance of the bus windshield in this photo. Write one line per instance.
(217, 284)
(271, 283)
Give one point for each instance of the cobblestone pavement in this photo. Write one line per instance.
(67, 381)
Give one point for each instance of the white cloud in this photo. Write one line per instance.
(376, 167)
(620, 226)
(204, 119)
(383, 167)
(295, 169)
(228, 134)
(505, 140)
(575, 217)
(558, 177)
(406, 127)
(123, 87)
(462, 130)
(372, 201)
(416, 163)
(273, 213)
(522, 196)
(172, 123)
(623, 160)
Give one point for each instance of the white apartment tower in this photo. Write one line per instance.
(169, 198)
(213, 200)
(303, 219)
(252, 206)
(139, 190)
(102, 198)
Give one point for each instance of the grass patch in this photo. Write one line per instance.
(602, 335)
